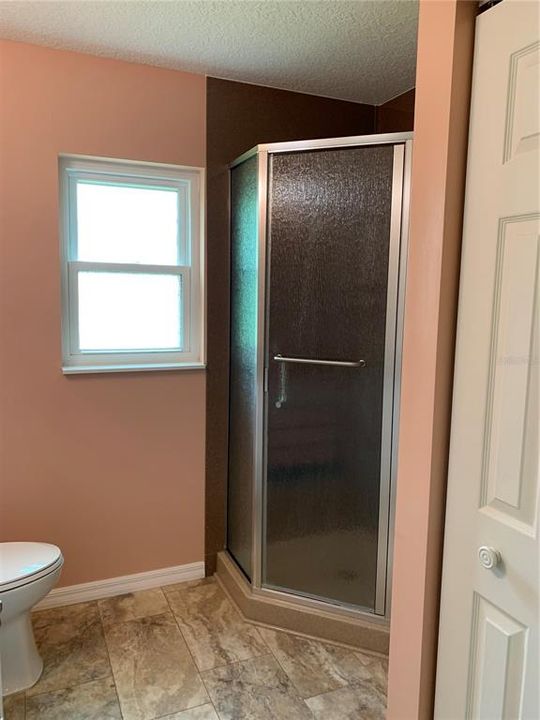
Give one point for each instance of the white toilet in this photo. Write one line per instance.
(28, 570)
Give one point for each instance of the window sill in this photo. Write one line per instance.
(156, 367)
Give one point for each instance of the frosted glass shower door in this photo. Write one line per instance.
(329, 227)
(243, 363)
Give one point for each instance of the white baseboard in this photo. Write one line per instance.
(119, 585)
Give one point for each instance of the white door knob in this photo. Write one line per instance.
(489, 557)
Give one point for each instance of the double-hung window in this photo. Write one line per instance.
(132, 266)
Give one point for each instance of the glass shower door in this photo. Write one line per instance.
(329, 219)
(243, 363)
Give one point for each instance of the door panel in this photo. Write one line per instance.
(522, 128)
(243, 362)
(329, 231)
(496, 671)
(510, 478)
(488, 642)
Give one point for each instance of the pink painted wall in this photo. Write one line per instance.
(110, 467)
(444, 63)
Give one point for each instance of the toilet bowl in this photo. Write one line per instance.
(28, 570)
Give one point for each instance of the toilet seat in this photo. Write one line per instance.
(28, 572)
(25, 562)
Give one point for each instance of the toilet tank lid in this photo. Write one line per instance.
(21, 560)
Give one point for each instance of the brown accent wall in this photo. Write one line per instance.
(396, 115)
(240, 116)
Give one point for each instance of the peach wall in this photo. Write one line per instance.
(110, 467)
(445, 43)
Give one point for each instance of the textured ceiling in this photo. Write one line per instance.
(359, 50)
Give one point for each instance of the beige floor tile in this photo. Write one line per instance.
(255, 689)
(349, 703)
(67, 616)
(203, 712)
(212, 627)
(314, 667)
(189, 584)
(14, 707)
(132, 606)
(153, 669)
(96, 700)
(156, 677)
(71, 643)
(375, 670)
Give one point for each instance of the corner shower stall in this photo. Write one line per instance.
(318, 253)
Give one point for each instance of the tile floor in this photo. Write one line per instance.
(183, 652)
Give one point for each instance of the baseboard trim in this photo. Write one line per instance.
(110, 587)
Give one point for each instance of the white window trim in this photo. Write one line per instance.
(189, 182)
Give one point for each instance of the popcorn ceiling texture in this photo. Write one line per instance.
(355, 50)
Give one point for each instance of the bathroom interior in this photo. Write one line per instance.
(203, 528)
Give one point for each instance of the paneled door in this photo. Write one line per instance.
(488, 665)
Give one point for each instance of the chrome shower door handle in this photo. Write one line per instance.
(316, 361)
(283, 360)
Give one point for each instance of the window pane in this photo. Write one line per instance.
(120, 311)
(118, 223)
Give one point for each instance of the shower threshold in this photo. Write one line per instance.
(285, 611)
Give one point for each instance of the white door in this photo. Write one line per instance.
(488, 665)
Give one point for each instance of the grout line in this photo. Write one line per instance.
(272, 653)
(165, 612)
(298, 633)
(289, 677)
(237, 662)
(77, 684)
(109, 657)
(351, 686)
(240, 614)
(242, 619)
(206, 689)
(62, 689)
(179, 712)
(199, 673)
(309, 639)
(353, 683)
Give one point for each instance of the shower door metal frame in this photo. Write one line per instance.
(399, 227)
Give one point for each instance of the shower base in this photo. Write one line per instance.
(287, 612)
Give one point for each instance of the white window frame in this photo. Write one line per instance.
(188, 182)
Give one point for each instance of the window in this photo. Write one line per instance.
(132, 269)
